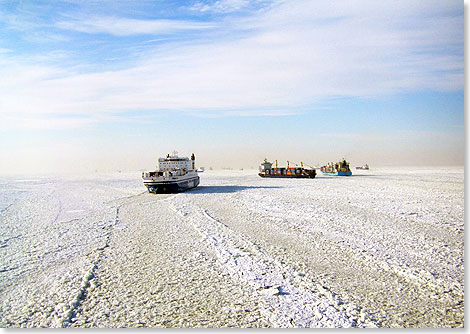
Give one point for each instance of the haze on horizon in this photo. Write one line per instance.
(112, 85)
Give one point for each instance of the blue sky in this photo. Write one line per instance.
(114, 84)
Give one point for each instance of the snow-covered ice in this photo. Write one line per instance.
(383, 248)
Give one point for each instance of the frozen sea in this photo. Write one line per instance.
(382, 248)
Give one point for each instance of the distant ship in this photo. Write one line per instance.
(174, 174)
(366, 166)
(266, 170)
(340, 169)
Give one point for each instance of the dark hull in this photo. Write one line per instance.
(166, 187)
(287, 176)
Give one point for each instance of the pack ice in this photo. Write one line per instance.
(382, 248)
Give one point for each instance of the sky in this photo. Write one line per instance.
(91, 86)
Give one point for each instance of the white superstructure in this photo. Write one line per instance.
(173, 162)
(174, 173)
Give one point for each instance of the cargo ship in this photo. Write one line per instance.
(267, 170)
(339, 169)
(174, 174)
(366, 167)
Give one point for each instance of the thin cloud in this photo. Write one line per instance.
(221, 6)
(119, 26)
(47, 123)
(293, 54)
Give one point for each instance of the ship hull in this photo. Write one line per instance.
(159, 187)
(337, 173)
(287, 176)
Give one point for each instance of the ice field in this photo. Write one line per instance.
(382, 248)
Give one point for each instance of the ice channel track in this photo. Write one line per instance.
(90, 274)
(357, 215)
(97, 255)
(56, 311)
(290, 298)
